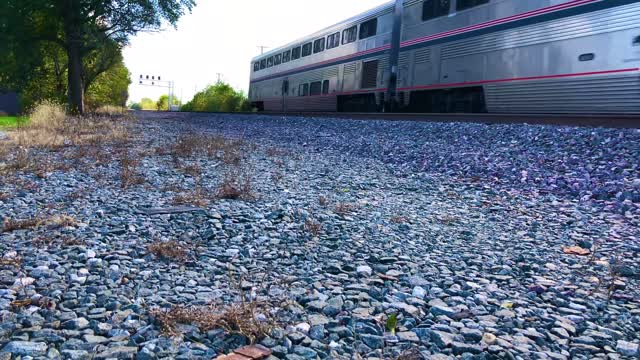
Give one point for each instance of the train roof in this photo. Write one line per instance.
(377, 11)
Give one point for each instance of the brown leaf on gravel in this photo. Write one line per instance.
(576, 250)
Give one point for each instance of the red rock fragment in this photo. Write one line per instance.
(576, 250)
(235, 356)
(255, 352)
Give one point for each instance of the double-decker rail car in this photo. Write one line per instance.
(496, 56)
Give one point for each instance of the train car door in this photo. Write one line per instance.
(285, 92)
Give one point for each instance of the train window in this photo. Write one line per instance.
(432, 9)
(256, 66)
(304, 90)
(277, 60)
(318, 45)
(263, 64)
(467, 4)
(315, 88)
(306, 49)
(295, 53)
(349, 35)
(270, 61)
(636, 41)
(286, 56)
(333, 41)
(368, 28)
(587, 57)
(325, 87)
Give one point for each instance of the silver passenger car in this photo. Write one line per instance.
(497, 56)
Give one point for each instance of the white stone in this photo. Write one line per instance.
(627, 348)
(364, 270)
(303, 327)
(419, 292)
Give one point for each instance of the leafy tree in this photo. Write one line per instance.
(80, 27)
(163, 103)
(147, 104)
(220, 97)
(110, 87)
(135, 106)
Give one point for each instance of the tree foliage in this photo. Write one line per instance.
(147, 104)
(110, 87)
(220, 97)
(89, 31)
(163, 103)
(48, 80)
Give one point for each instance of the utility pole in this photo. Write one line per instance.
(262, 47)
(219, 77)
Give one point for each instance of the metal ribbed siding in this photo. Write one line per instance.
(616, 19)
(316, 75)
(312, 103)
(422, 56)
(610, 94)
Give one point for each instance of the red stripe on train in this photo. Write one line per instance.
(518, 79)
(498, 21)
(531, 13)
(480, 82)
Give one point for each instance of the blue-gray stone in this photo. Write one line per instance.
(25, 348)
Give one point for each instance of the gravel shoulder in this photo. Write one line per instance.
(463, 231)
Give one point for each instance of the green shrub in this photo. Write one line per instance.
(220, 97)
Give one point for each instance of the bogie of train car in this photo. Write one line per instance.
(497, 56)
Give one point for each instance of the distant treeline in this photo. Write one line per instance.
(220, 97)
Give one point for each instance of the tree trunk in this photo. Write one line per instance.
(73, 40)
(76, 88)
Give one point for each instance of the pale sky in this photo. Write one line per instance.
(222, 36)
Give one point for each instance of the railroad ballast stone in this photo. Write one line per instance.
(458, 229)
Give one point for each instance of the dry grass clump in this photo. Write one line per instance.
(42, 302)
(411, 354)
(276, 152)
(399, 220)
(129, 173)
(47, 115)
(235, 189)
(323, 200)
(195, 197)
(343, 209)
(112, 110)
(47, 241)
(448, 219)
(36, 222)
(248, 319)
(11, 258)
(231, 151)
(21, 160)
(198, 195)
(312, 227)
(168, 250)
(195, 171)
(49, 127)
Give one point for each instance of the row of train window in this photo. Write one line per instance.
(367, 29)
(314, 88)
(432, 9)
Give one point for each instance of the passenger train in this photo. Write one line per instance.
(441, 56)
